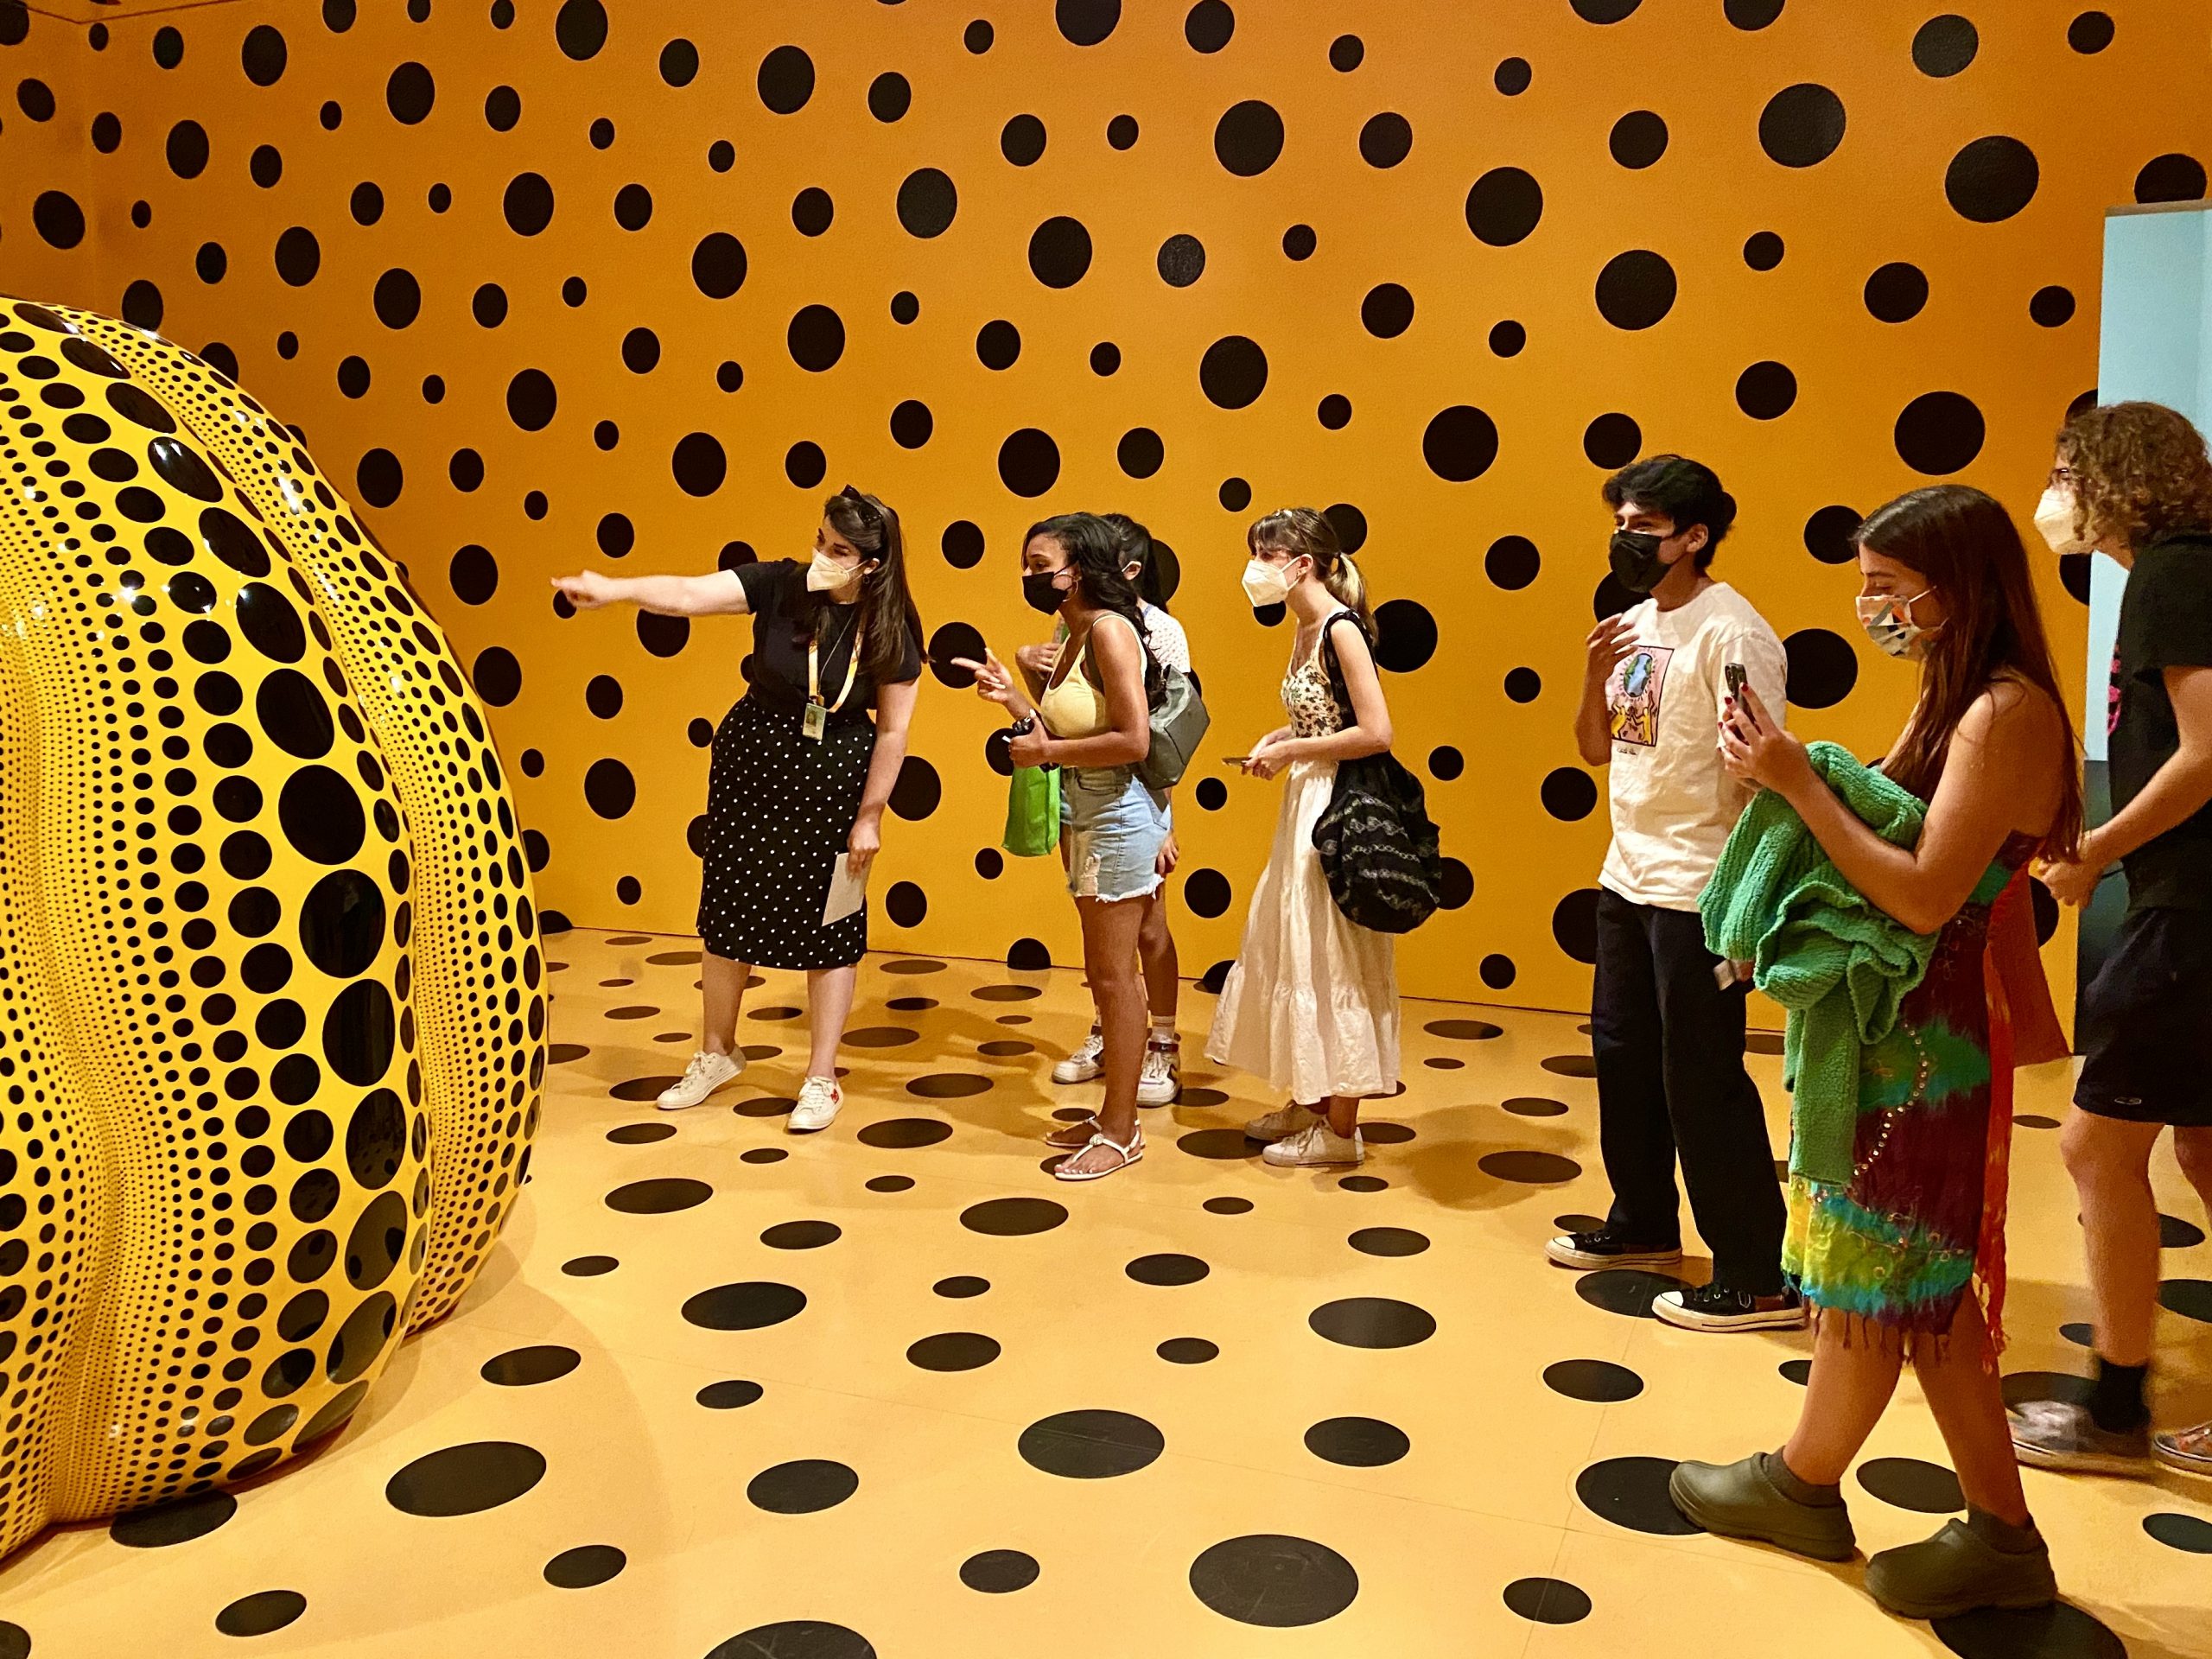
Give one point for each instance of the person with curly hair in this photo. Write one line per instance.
(2134, 481)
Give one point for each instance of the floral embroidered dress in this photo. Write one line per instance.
(1922, 1220)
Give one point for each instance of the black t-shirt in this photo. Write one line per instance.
(776, 668)
(2165, 621)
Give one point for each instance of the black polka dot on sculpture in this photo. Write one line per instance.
(1597, 1380)
(1166, 1269)
(1912, 1484)
(801, 1235)
(1013, 1217)
(1626, 1290)
(520, 1367)
(1357, 1442)
(1187, 1350)
(1632, 1492)
(1388, 1241)
(746, 1306)
(658, 1195)
(953, 1351)
(588, 1266)
(1274, 1580)
(1227, 1205)
(2061, 1631)
(172, 1523)
(464, 1479)
(802, 1487)
(728, 1396)
(999, 1571)
(1091, 1445)
(1372, 1322)
(1547, 1601)
(2185, 1532)
(1530, 1168)
(585, 1566)
(261, 1613)
(799, 1639)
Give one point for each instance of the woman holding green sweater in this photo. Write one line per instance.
(1899, 1254)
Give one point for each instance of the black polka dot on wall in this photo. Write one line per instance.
(1802, 125)
(1991, 179)
(1939, 433)
(1823, 667)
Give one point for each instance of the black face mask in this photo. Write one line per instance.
(1037, 588)
(1634, 557)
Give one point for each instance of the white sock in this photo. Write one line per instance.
(1163, 1028)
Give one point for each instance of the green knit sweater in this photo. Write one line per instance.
(1842, 967)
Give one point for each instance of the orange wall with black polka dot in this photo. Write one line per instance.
(562, 283)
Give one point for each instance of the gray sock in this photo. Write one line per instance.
(1796, 1490)
(2002, 1535)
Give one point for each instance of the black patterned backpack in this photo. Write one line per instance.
(1380, 851)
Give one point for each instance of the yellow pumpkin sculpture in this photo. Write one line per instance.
(272, 1008)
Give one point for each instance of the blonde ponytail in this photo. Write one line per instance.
(1349, 588)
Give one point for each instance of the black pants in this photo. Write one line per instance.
(1669, 1047)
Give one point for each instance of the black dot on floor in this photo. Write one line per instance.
(1444, 1062)
(914, 966)
(2190, 1298)
(639, 1134)
(1388, 1241)
(1626, 1290)
(520, 1367)
(1362, 1184)
(948, 1085)
(2175, 1233)
(953, 1351)
(961, 1286)
(762, 1155)
(1597, 1380)
(890, 1182)
(2079, 1332)
(1005, 1048)
(2033, 1120)
(903, 1133)
(658, 1195)
(1632, 1492)
(1799, 1371)
(1166, 1269)
(997, 1572)
(882, 1037)
(1763, 1042)
(1091, 1445)
(2020, 1387)
(1531, 1168)
(801, 1235)
(1471, 1031)
(795, 1638)
(463, 1479)
(1534, 1106)
(1013, 1217)
(1386, 1135)
(1571, 1065)
(2187, 1532)
(15, 1641)
(1204, 1097)
(588, 1266)
(261, 1613)
(912, 1004)
(2058, 1631)
(562, 1053)
(1547, 1601)
(1372, 1322)
(1217, 1143)
(584, 1565)
(728, 1396)
(1228, 1206)
(1357, 1442)
(1270, 1579)
(748, 1306)
(765, 1106)
(1912, 1484)
(1187, 1350)
(1005, 993)
(801, 1487)
(643, 1088)
(172, 1523)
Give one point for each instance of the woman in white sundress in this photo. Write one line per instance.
(1312, 1003)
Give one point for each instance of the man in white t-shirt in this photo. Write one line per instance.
(1668, 1033)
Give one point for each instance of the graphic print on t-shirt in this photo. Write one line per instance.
(1634, 692)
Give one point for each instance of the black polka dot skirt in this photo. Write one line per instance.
(779, 809)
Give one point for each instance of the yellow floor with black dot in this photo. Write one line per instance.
(725, 1391)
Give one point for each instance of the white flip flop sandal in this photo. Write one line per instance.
(1128, 1152)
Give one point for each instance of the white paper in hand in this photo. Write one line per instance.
(848, 892)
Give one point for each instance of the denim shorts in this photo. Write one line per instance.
(1112, 828)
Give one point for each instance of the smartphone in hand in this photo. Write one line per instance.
(1735, 676)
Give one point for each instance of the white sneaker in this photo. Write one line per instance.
(705, 1073)
(819, 1100)
(1314, 1147)
(1086, 1063)
(1283, 1122)
(1161, 1080)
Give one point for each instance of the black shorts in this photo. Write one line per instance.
(2146, 1022)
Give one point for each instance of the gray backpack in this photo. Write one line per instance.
(1178, 725)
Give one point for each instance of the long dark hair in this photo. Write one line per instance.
(1095, 553)
(888, 618)
(1135, 542)
(1298, 530)
(1967, 547)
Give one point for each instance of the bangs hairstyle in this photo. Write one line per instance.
(888, 617)
(1965, 547)
(1302, 531)
(1095, 552)
(2140, 473)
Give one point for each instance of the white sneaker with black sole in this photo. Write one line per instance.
(1710, 1307)
(1086, 1063)
(1601, 1248)
(819, 1101)
(705, 1073)
(1160, 1083)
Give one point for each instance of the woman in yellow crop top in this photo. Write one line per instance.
(1093, 720)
